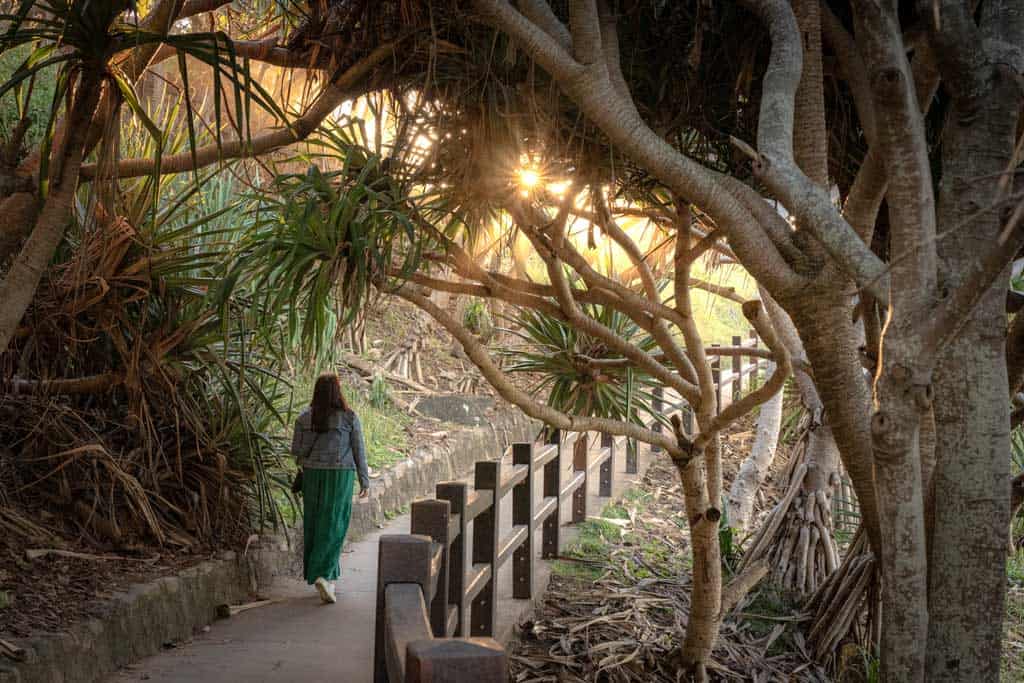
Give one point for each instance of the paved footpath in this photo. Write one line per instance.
(301, 639)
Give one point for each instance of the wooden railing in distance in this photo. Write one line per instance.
(431, 591)
(434, 588)
(733, 376)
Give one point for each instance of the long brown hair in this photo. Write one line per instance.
(327, 400)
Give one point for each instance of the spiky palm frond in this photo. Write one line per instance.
(568, 365)
(316, 244)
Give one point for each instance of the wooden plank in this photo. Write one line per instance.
(508, 545)
(546, 509)
(406, 622)
(478, 502)
(657, 405)
(737, 370)
(513, 476)
(574, 484)
(454, 527)
(632, 466)
(430, 518)
(579, 464)
(456, 493)
(477, 577)
(543, 455)
(522, 507)
(481, 660)
(604, 481)
(453, 621)
(550, 535)
(486, 529)
(401, 558)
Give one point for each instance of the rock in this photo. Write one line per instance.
(5, 599)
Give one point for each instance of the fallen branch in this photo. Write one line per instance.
(742, 584)
(369, 369)
(92, 384)
(36, 553)
(227, 611)
(11, 650)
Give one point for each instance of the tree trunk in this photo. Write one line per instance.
(798, 535)
(706, 596)
(825, 323)
(19, 286)
(967, 581)
(756, 465)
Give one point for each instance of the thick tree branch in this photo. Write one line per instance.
(592, 90)
(958, 46)
(759, 318)
(343, 88)
(586, 32)
(774, 162)
(853, 70)
(540, 13)
(504, 386)
(947, 322)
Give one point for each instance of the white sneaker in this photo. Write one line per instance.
(326, 591)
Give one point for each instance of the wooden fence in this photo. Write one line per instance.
(437, 588)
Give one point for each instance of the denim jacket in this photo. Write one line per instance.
(341, 447)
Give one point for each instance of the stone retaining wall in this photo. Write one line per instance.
(146, 617)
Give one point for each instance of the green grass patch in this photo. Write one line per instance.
(588, 555)
(1012, 666)
(384, 430)
(615, 511)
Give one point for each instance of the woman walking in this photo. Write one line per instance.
(328, 443)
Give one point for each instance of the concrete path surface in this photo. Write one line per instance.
(301, 639)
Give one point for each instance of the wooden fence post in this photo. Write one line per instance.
(631, 464)
(737, 370)
(522, 513)
(550, 542)
(716, 376)
(456, 494)
(755, 376)
(486, 538)
(430, 518)
(579, 463)
(454, 661)
(607, 467)
(400, 559)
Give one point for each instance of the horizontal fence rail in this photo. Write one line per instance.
(437, 587)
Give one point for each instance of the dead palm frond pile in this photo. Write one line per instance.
(615, 614)
(135, 406)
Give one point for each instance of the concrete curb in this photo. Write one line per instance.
(139, 621)
(146, 617)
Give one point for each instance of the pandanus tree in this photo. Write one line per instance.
(913, 293)
(934, 428)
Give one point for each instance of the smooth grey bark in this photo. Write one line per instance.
(754, 469)
(971, 517)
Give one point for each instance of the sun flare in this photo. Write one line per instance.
(529, 178)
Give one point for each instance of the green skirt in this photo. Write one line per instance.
(327, 501)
